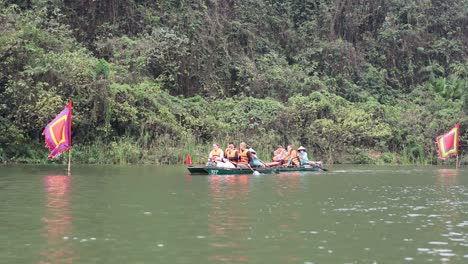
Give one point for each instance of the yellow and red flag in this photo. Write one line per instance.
(447, 144)
(57, 133)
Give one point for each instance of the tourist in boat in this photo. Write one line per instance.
(231, 153)
(302, 154)
(215, 155)
(291, 159)
(279, 155)
(255, 161)
(245, 157)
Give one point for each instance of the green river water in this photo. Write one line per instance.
(151, 214)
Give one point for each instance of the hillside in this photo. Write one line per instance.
(355, 81)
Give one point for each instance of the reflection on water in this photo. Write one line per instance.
(58, 221)
(228, 218)
(447, 222)
(449, 203)
(286, 215)
(447, 177)
(237, 222)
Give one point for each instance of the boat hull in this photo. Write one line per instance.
(196, 170)
(207, 170)
(293, 169)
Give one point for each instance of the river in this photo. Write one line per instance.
(161, 214)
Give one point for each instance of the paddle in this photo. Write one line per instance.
(319, 165)
(254, 171)
(264, 164)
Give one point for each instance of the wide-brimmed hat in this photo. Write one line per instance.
(301, 148)
(252, 150)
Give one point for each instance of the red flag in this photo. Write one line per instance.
(447, 144)
(188, 160)
(57, 134)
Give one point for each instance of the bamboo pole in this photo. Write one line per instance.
(69, 162)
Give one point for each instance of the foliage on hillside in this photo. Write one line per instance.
(353, 80)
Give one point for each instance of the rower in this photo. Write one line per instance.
(302, 154)
(255, 161)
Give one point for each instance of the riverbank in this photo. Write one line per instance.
(126, 151)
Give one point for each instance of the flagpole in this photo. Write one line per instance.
(456, 163)
(69, 161)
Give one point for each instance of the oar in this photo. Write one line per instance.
(320, 167)
(254, 171)
(266, 166)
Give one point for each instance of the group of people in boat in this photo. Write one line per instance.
(246, 157)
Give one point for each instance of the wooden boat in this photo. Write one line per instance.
(209, 170)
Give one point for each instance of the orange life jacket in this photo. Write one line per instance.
(279, 153)
(243, 157)
(215, 154)
(294, 158)
(231, 155)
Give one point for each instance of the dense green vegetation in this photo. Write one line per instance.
(353, 80)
